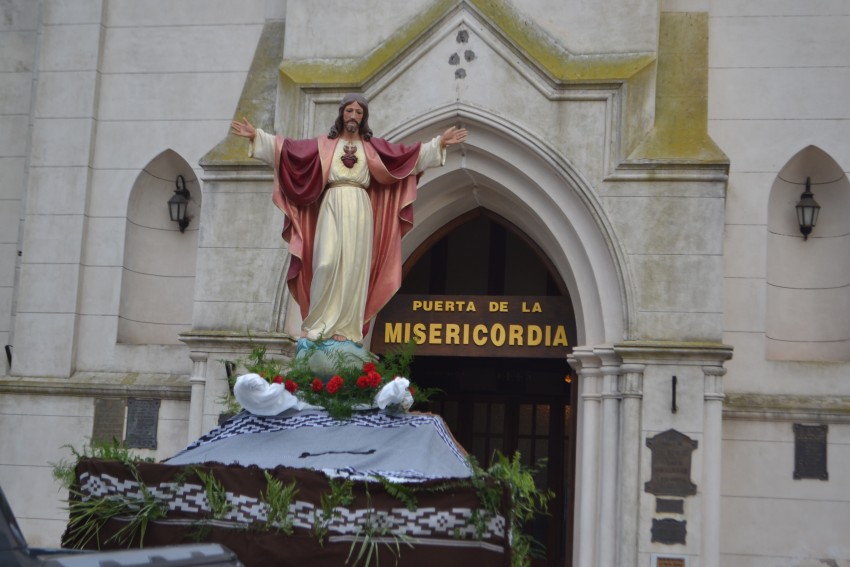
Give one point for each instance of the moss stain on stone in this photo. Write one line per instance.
(680, 129)
(356, 70)
(680, 132)
(257, 101)
(556, 60)
(540, 48)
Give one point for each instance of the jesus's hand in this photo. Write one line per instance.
(453, 135)
(243, 128)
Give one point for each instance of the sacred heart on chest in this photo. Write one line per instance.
(348, 158)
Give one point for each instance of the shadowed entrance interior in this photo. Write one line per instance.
(501, 403)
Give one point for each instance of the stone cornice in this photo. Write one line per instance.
(102, 385)
(767, 407)
(671, 352)
(230, 341)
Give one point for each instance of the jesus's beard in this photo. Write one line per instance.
(351, 126)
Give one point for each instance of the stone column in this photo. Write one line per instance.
(711, 465)
(646, 394)
(631, 392)
(607, 536)
(198, 380)
(587, 367)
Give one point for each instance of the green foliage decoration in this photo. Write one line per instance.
(87, 516)
(115, 450)
(341, 494)
(371, 533)
(526, 501)
(404, 493)
(277, 499)
(216, 494)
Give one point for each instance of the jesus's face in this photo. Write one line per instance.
(352, 116)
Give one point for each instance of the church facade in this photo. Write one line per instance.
(609, 274)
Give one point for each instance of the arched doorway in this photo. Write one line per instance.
(504, 403)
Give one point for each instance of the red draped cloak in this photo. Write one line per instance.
(301, 173)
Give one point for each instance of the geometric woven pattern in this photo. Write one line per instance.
(408, 447)
(244, 423)
(189, 498)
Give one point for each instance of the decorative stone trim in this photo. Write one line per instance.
(761, 407)
(120, 385)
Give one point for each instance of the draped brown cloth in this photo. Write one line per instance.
(301, 173)
(440, 529)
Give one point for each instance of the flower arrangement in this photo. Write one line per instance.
(354, 385)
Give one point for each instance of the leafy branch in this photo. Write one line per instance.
(277, 500)
(374, 530)
(341, 494)
(88, 516)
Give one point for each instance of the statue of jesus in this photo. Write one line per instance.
(347, 201)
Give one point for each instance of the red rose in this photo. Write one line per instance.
(374, 379)
(290, 386)
(317, 385)
(363, 382)
(412, 391)
(368, 367)
(278, 379)
(334, 385)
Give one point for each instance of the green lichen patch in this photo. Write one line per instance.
(680, 132)
(541, 49)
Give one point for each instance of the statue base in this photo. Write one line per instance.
(325, 356)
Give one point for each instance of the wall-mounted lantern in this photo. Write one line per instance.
(179, 203)
(807, 211)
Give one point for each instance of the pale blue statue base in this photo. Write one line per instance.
(327, 355)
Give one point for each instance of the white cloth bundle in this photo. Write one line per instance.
(259, 397)
(395, 392)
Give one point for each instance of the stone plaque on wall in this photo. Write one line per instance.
(810, 451)
(670, 562)
(108, 420)
(669, 531)
(668, 506)
(142, 419)
(671, 464)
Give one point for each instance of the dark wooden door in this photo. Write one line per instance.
(508, 406)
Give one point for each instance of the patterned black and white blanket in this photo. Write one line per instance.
(410, 447)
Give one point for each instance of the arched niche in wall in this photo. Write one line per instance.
(158, 276)
(808, 281)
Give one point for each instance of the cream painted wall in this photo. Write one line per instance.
(18, 28)
(778, 71)
(774, 90)
(111, 85)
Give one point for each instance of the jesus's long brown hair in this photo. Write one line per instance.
(339, 126)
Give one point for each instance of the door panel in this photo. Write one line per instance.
(509, 410)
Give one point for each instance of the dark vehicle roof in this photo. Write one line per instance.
(15, 551)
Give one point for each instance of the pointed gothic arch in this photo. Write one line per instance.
(546, 199)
